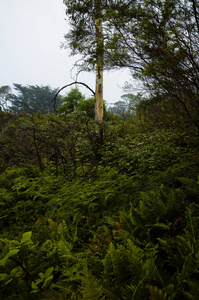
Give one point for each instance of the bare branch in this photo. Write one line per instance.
(75, 82)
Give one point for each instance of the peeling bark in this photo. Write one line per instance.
(99, 96)
(99, 114)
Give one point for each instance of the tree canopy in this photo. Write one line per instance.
(81, 37)
(31, 99)
(161, 39)
(157, 40)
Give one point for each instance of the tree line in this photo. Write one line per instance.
(33, 98)
(156, 40)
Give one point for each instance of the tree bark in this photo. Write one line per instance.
(99, 113)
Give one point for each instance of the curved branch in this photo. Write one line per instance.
(75, 82)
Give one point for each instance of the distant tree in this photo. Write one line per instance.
(118, 108)
(4, 96)
(31, 99)
(126, 107)
(131, 101)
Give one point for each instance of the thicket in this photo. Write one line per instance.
(83, 218)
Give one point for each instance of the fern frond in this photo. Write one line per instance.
(90, 289)
(63, 248)
(189, 267)
(110, 294)
(192, 226)
(134, 292)
(53, 226)
(191, 185)
(157, 294)
(193, 290)
(127, 222)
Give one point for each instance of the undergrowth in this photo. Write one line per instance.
(86, 219)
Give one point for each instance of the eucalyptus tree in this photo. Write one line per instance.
(86, 37)
(92, 34)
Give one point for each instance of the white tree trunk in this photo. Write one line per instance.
(99, 112)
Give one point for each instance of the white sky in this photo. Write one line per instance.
(31, 32)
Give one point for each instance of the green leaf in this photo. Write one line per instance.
(26, 237)
(3, 276)
(48, 272)
(8, 281)
(9, 254)
(47, 280)
(34, 286)
(41, 275)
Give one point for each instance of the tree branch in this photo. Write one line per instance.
(75, 82)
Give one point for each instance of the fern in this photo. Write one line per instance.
(192, 223)
(157, 294)
(189, 267)
(191, 186)
(193, 292)
(133, 292)
(90, 289)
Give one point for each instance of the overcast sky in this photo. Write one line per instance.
(31, 33)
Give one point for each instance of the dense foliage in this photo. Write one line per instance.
(29, 99)
(83, 218)
(86, 216)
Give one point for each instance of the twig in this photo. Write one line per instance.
(26, 271)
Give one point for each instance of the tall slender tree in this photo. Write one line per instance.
(86, 37)
(99, 63)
